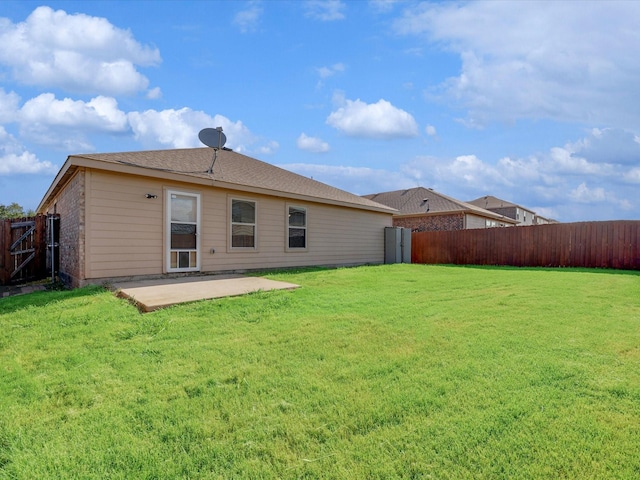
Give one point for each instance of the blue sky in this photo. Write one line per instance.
(533, 102)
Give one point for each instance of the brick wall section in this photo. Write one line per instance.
(70, 204)
(434, 223)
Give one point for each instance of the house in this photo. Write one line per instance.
(423, 209)
(153, 213)
(522, 215)
(540, 220)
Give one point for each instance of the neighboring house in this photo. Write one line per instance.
(423, 210)
(543, 220)
(522, 215)
(153, 213)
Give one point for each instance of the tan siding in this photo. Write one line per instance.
(473, 221)
(127, 230)
(335, 236)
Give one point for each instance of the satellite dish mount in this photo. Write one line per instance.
(214, 138)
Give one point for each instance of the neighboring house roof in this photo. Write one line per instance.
(490, 202)
(426, 201)
(231, 170)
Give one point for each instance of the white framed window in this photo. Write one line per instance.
(243, 231)
(490, 223)
(296, 228)
(183, 231)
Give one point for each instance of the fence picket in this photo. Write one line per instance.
(610, 244)
(23, 249)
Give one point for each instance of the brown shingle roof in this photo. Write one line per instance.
(416, 201)
(489, 201)
(231, 170)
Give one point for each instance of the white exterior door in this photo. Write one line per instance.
(183, 231)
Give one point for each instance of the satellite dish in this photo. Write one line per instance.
(212, 137)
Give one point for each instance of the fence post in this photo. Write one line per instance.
(5, 257)
(39, 263)
(2, 248)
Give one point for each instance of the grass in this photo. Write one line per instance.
(395, 371)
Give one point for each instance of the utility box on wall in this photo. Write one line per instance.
(397, 245)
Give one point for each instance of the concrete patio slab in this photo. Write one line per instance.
(150, 295)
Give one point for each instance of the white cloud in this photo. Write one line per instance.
(633, 175)
(25, 162)
(154, 93)
(269, 148)
(584, 194)
(78, 53)
(64, 124)
(98, 114)
(430, 130)
(375, 120)
(557, 183)
(572, 61)
(474, 171)
(326, 72)
(566, 162)
(338, 98)
(15, 160)
(382, 6)
(609, 146)
(9, 104)
(527, 170)
(171, 128)
(312, 144)
(179, 129)
(247, 20)
(325, 10)
(330, 71)
(358, 180)
(459, 174)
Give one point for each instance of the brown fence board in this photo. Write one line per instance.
(30, 250)
(2, 252)
(5, 254)
(635, 238)
(626, 255)
(612, 244)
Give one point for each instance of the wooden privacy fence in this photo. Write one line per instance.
(611, 244)
(23, 249)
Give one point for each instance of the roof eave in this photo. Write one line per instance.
(459, 212)
(65, 172)
(74, 162)
(297, 196)
(430, 214)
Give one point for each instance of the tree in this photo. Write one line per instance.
(14, 211)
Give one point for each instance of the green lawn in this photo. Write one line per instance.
(395, 371)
